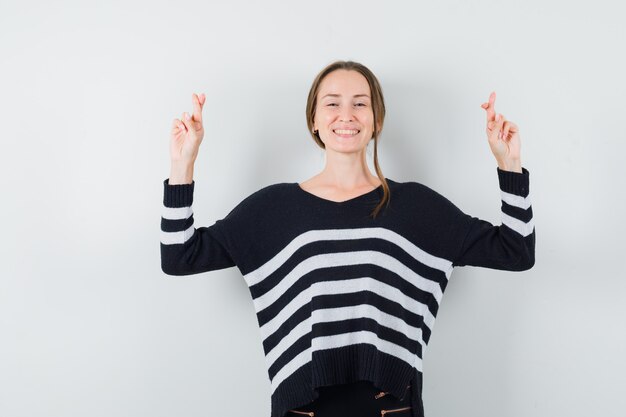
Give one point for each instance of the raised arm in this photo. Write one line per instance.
(185, 249)
(511, 245)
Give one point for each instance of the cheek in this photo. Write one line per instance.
(367, 116)
(326, 117)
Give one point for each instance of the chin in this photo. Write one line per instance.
(345, 145)
(343, 148)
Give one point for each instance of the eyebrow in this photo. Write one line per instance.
(339, 95)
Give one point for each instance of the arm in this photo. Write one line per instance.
(187, 250)
(509, 246)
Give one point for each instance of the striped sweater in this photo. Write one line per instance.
(339, 296)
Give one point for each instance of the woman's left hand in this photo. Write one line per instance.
(503, 137)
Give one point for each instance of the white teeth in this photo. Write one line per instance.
(346, 132)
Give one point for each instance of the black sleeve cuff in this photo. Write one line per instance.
(177, 195)
(514, 182)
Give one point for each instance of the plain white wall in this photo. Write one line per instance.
(89, 325)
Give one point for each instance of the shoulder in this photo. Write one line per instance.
(425, 199)
(414, 189)
(269, 193)
(265, 198)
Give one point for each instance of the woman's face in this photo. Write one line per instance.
(344, 103)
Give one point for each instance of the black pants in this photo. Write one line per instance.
(357, 399)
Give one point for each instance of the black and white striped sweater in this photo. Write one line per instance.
(340, 296)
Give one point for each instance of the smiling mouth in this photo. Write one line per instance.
(346, 133)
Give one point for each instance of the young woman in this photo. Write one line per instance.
(346, 269)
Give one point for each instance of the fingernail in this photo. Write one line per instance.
(187, 116)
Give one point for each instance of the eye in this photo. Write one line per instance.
(332, 104)
(361, 104)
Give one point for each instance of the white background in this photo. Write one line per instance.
(90, 325)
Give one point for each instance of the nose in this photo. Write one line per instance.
(346, 114)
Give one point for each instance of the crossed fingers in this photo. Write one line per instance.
(498, 121)
(198, 103)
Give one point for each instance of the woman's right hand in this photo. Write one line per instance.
(187, 134)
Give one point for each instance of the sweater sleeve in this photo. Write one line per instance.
(510, 245)
(185, 249)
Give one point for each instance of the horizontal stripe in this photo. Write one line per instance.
(368, 311)
(377, 287)
(296, 363)
(347, 271)
(353, 338)
(176, 225)
(519, 213)
(174, 238)
(341, 313)
(266, 269)
(515, 200)
(330, 301)
(303, 328)
(346, 339)
(519, 226)
(346, 286)
(364, 324)
(176, 213)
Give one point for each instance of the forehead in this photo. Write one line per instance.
(344, 82)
